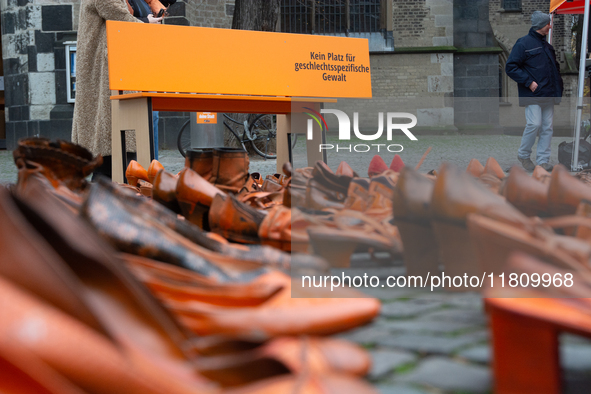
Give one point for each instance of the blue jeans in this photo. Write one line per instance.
(538, 122)
(155, 118)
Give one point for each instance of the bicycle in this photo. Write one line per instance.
(258, 130)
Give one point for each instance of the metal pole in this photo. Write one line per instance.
(551, 29)
(575, 163)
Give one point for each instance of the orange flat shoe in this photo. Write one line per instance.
(22, 372)
(155, 166)
(134, 172)
(292, 311)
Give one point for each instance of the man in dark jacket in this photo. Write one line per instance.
(532, 64)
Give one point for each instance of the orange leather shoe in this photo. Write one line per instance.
(358, 197)
(92, 362)
(411, 207)
(397, 164)
(234, 220)
(495, 241)
(155, 166)
(455, 195)
(475, 168)
(23, 372)
(541, 175)
(492, 167)
(526, 193)
(292, 311)
(376, 166)
(61, 161)
(275, 230)
(145, 188)
(134, 172)
(381, 189)
(319, 197)
(164, 190)
(286, 354)
(345, 169)
(195, 195)
(566, 192)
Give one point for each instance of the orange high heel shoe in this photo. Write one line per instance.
(134, 172)
(526, 193)
(164, 190)
(455, 195)
(411, 207)
(525, 326)
(155, 166)
(492, 167)
(475, 168)
(566, 192)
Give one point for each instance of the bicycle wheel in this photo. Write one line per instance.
(183, 140)
(263, 136)
(233, 139)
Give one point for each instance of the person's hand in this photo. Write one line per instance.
(152, 19)
(533, 86)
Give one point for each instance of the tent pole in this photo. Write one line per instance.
(575, 163)
(551, 29)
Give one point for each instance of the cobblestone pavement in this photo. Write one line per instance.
(422, 343)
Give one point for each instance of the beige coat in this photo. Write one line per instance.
(91, 126)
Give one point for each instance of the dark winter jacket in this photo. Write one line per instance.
(533, 59)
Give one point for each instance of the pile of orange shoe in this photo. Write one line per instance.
(114, 293)
(311, 210)
(527, 237)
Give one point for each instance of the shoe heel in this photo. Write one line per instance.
(132, 180)
(457, 253)
(419, 248)
(338, 254)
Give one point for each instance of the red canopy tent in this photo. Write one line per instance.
(567, 7)
(576, 7)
